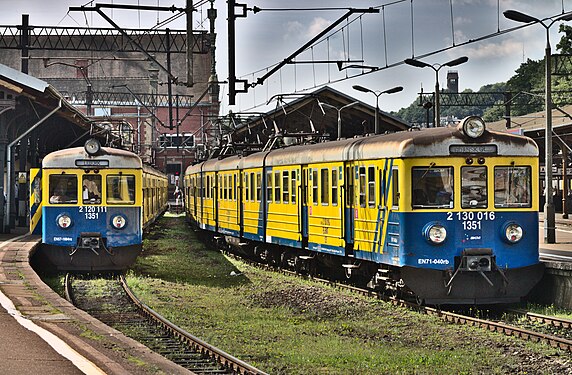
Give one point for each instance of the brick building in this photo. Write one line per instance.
(111, 78)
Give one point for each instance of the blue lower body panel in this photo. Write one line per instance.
(89, 260)
(91, 243)
(471, 287)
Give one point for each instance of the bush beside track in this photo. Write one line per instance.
(283, 325)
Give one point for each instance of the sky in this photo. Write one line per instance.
(435, 31)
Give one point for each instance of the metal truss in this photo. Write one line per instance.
(561, 64)
(102, 39)
(125, 99)
(487, 99)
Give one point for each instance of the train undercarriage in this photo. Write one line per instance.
(458, 286)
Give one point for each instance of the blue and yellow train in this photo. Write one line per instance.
(91, 205)
(446, 214)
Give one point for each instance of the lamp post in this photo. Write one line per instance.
(339, 113)
(377, 95)
(436, 68)
(549, 214)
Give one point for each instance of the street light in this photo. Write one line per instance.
(436, 68)
(549, 214)
(339, 113)
(377, 95)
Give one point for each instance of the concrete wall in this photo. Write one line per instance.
(555, 288)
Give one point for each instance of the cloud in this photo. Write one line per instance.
(490, 50)
(293, 30)
(317, 25)
(296, 30)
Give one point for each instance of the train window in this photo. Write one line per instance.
(315, 186)
(63, 188)
(252, 191)
(382, 196)
(371, 186)
(258, 186)
(334, 187)
(474, 187)
(234, 187)
(362, 186)
(269, 186)
(285, 187)
(225, 187)
(293, 190)
(395, 191)
(432, 187)
(325, 191)
(91, 189)
(246, 187)
(277, 187)
(120, 189)
(37, 189)
(513, 187)
(203, 183)
(350, 189)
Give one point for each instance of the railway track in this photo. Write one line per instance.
(561, 338)
(111, 301)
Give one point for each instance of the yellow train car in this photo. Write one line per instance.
(91, 205)
(447, 214)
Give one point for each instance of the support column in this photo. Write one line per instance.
(12, 181)
(5, 228)
(22, 181)
(564, 181)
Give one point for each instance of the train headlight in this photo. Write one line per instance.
(512, 232)
(64, 221)
(435, 233)
(473, 126)
(92, 146)
(118, 222)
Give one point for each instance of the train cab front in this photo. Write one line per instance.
(110, 240)
(480, 246)
(496, 262)
(91, 213)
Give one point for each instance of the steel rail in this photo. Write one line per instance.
(197, 344)
(545, 319)
(554, 341)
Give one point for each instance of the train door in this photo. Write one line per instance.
(366, 220)
(295, 184)
(195, 195)
(215, 183)
(35, 201)
(349, 205)
(238, 185)
(324, 210)
(201, 203)
(304, 203)
(382, 183)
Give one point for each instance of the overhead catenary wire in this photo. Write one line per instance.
(326, 40)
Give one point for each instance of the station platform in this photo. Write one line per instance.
(563, 243)
(44, 334)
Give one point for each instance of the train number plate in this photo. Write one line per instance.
(471, 220)
(92, 212)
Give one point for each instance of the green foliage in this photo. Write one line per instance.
(527, 83)
(285, 325)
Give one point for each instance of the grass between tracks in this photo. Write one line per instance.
(284, 325)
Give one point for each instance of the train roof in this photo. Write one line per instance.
(67, 158)
(432, 142)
